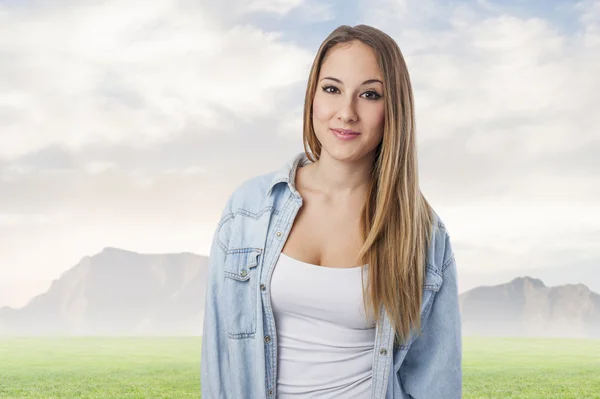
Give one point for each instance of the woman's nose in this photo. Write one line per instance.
(347, 111)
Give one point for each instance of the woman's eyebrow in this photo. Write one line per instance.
(363, 83)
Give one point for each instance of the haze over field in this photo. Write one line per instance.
(119, 292)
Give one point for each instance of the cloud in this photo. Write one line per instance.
(285, 13)
(280, 7)
(121, 124)
(128, 124)
(499, 95)
(507, 125)
(133, 73)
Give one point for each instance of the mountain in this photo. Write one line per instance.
(18, 292)
(584, 271)
(118, 292)
(525, 306)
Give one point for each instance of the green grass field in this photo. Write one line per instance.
(107, 368)
(531, 368)
(85, 368)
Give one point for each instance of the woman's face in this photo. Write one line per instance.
(349, 96)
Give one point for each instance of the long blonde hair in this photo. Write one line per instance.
(396, 220)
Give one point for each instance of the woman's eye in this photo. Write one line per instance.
(326, 89)
(373, 95)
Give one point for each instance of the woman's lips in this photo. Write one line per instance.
(344, 134)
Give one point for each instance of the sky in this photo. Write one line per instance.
(128, 124)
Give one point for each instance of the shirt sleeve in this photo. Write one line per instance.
(213, 341)
(432, 367)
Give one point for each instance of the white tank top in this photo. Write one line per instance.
(324, 341)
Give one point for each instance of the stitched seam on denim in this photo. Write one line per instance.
(434, 287)
(256, 216)
(386, 367)
(289, 203)
(235, 276)
(447, 263)
(379, 387)
(386, 362)
(269, 244)
(270, 316)
(222, 246)
(374, 356)
(254, 262)
(433, 269)
(428, 307)
(245, 212)
(375, 352)
(225, 218)
(240, 335)
(219, 226)
(244, 250)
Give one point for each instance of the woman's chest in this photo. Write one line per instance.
(325, 236)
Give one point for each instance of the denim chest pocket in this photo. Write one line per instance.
(241, 291)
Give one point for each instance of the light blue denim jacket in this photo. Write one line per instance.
(239, 343)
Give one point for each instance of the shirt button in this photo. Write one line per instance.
(278, 234)
(267, 339)
(243, 273)
(270, 392)
(383, 352)
(263, 287)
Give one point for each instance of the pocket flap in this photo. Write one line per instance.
(239, 262)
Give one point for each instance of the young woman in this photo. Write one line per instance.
(332, 277)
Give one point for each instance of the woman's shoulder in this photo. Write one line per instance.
(242, 220)
(438, 224)
(256, 190)
(440, 249)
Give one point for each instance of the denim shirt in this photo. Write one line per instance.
(239, 343)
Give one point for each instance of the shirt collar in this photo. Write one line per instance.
(287, 173)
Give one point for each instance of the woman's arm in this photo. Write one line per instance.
(433, 364)
(214, 347)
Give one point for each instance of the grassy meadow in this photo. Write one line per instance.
(86, 368)
(107, 368)
(544, 368)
